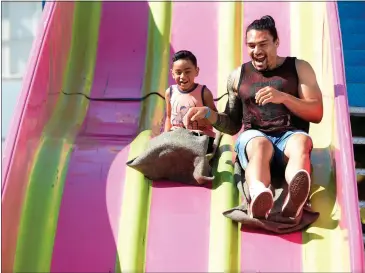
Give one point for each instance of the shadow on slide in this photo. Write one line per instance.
(69, 204)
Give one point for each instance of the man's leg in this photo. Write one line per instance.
(297, 151)
(259, 152)
(255, 152)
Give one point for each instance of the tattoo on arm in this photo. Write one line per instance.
(230, 81)
(230, 121)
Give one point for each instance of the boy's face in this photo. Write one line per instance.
(184, 73)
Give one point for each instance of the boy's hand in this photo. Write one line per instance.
(194, 114)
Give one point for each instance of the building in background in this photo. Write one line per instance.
(20, 21)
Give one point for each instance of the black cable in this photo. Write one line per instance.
(217, 99)
(125, 99)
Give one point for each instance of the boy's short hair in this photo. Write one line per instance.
(185, 55)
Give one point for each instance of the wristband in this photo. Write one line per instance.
(207, 115)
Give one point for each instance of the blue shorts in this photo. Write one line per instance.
(278, 140)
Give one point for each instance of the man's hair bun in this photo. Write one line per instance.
(268, 20)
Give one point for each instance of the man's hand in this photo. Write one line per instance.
(269, 94)
(195, 114)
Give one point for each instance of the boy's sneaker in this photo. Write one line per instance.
(261, 202)
(298, 192)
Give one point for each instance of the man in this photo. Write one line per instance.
(275, 98)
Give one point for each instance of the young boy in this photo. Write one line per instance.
(185, 94)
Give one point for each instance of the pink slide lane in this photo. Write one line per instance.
(254, 244)
(178, 210)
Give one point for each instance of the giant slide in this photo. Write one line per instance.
(70, 204)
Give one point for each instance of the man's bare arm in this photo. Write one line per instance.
(230, 121)
(309, 105)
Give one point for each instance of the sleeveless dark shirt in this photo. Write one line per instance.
(270, 118)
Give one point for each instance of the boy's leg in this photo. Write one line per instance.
(255, 152)
(295, 148)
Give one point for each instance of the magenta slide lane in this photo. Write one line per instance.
(88, 220)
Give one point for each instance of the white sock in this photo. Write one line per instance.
(256, 187)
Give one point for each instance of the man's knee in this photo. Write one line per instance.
(260, 146)
(298, 145)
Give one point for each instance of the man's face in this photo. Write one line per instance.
(262, 49)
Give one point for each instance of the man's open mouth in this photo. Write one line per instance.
(260, 60)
